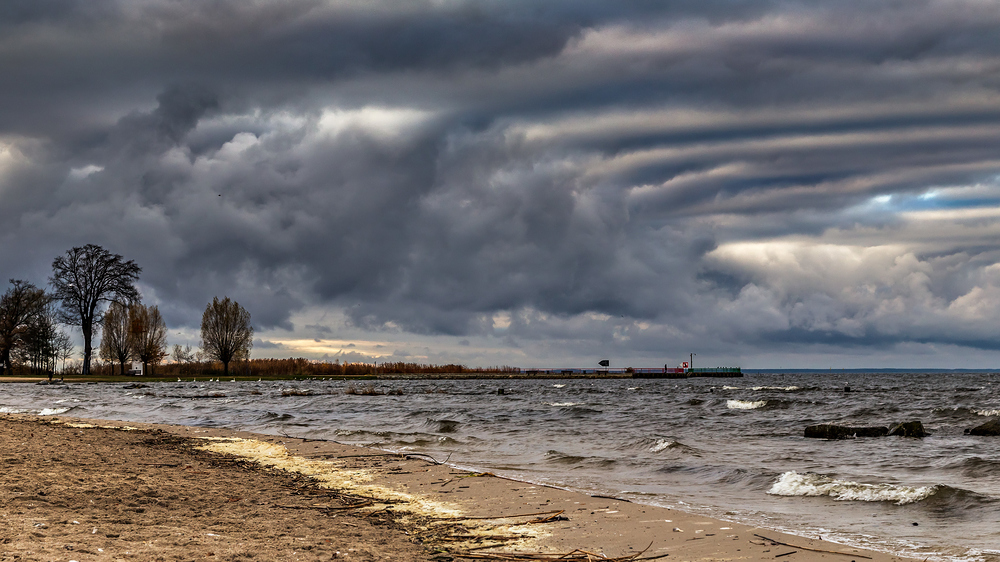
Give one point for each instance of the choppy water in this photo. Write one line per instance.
(731, 448)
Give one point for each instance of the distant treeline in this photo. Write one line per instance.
(301, 368)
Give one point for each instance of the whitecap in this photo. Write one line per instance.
(988, 412)
(785, 388)
(563, 404)
(558, 385)
(663, 445)
(730, 388)
(10, 410)
(794, 484)
(53, 411)
(745, 404)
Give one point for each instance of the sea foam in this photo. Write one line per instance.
(53, 411)
(795, 484)
(785, 388)
(988, 412)
(42, 412)
(10, 410)
(759, 388)
(663, 445)
(745, 404)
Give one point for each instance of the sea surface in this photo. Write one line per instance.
(729, 448)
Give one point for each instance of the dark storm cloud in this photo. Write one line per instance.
(567, 174)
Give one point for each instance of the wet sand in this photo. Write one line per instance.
(85, 490)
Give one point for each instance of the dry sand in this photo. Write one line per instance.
(97, 490)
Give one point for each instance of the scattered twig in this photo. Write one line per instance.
(371, 455)
(554, 517)
(353, 506)
(610, 498)
(557, 512)
(383, 510)
(326, 507)
(168, 464)
(785, 554)
(577, 555)
(435, 461)
(813, 549)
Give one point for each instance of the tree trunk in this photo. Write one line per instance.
(123, 368)
(225, 368)
(88, 348)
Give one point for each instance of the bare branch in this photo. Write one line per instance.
(83, 280)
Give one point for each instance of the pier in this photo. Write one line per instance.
(624, 373)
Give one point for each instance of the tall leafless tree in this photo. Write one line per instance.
(147, 335)
(20, 306)
(115, 341)
(226, 333)
(86, 278)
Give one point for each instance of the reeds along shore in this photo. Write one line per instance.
(288, 368)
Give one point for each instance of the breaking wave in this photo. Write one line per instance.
(988, 412)
(745, 404)
(794, 484)
(9, 410)
(42, 412)
(759, 388)
(53, 411)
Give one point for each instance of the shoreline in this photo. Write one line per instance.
(532, 375)
(441, 511)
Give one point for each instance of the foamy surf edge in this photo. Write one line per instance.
(795, 484)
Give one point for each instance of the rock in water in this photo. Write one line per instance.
(991, 427)
(830, 431)
(909, 429)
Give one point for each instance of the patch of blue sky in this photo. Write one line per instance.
(932, 200)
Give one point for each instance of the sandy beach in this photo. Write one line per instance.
(82, 490)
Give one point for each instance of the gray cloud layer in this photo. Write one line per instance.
(554, 179)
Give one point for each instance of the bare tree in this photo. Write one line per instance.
(64, 348)
(39, 345)
(182, 354)
(20, 306)
(86, 278)
(147, 335)
(115, 341)
(226, 333)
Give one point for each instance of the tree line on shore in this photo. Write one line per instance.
(94, 290)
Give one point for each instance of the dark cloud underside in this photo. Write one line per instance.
(547, 178)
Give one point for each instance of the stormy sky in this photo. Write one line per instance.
(523, 182)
